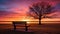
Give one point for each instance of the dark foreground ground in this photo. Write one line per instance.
(33, 29)
(14, 32)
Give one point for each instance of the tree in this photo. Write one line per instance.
(40, 10)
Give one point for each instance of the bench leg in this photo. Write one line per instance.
(14, 27)
(26, 27)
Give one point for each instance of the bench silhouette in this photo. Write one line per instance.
(20, 22)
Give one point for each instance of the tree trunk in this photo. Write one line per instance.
(39, 20)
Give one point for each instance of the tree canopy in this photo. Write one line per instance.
(40, 9)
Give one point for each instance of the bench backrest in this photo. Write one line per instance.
(19, 22)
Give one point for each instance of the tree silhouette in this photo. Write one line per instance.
(40, 10)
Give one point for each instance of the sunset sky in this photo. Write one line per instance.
(17, 9)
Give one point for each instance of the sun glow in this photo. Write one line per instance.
(26, 20)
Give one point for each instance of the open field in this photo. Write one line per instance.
(35, 28)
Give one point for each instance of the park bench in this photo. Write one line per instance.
(20, 22)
